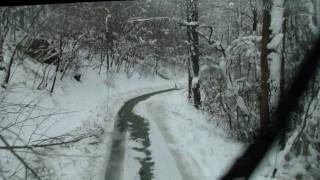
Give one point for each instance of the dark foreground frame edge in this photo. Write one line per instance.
(44, 2)
(245, 165)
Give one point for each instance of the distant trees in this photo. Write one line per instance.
(108, 33)
(16, 25)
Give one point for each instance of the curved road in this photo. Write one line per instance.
(133, 127)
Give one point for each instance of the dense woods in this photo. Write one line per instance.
(238, 59)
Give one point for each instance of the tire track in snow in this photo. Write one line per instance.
(138, 130)
(156, 115)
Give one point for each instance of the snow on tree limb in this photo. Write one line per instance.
(275, 45)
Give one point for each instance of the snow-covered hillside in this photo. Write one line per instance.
(79, 115)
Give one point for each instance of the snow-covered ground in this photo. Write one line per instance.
(82, 111)
(184, 143)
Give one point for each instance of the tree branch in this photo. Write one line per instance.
(8, 147)
(42, 145)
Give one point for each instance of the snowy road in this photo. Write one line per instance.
(131, 155)
(186, 142)
(164, 138)
(165, 147)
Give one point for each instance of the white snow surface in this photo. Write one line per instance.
(185, 144)
(195, 82)
(75, 109)
(275, 57)
(276, 41)
(277, 16)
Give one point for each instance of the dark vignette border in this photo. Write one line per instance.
(43, 2)
(250, 159)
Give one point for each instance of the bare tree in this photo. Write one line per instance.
(193, 45)
(265, 87)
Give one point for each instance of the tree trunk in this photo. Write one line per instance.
(282, 78)
(189, 82)
(55, 77)
(265, 88)
(57, 67)
(8, 73)
(1, 47)
(282, 138)
(255, 20)
(101, 61)
(108, 61)
(193, 39)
